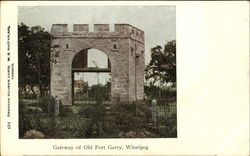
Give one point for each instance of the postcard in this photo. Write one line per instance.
(124, 78)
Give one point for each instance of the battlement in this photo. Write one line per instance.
(101, 27)
(82, 30)
(59, 29)
(80, 27)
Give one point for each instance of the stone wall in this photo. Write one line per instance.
(124, 47)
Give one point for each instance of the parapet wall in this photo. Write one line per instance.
(82, 30)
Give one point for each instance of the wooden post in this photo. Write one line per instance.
(154, 111)
(56, 108)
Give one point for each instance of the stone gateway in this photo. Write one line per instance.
(124, 48)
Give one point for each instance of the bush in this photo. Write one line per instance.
(130, 116)
(33, 134)
(66, 111)
(118, 120)
(63, 127)
(47, 104)
(24, 125)
(169, 128)
(26, 122)
(99, 93)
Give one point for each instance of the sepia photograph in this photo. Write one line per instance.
(97, 72)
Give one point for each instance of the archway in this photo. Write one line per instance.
(124, 47)
(91, 76)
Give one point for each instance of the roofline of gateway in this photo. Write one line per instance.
(97, 37)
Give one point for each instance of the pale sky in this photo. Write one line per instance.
(157, 22)
(101, 60)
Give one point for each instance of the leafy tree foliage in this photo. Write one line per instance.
(162, 67)
(33, 59)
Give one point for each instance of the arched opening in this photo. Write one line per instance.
(91, 77)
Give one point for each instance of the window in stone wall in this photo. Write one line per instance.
(132, 51)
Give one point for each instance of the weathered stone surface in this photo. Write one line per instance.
(101, 27)
(80, 28)
(124, 48)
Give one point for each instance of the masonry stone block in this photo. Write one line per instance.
(59, 29)
(80, 27)
(101, 27)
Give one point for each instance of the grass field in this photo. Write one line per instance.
(93, 120)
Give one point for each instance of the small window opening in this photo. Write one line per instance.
(67, 46)
(115, 47)
(132, 51)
